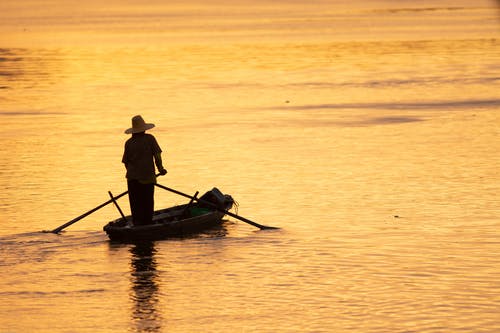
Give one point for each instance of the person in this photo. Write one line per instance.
(141, 150)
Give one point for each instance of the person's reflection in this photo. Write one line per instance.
(145, 288)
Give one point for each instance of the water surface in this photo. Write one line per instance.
(368, 133)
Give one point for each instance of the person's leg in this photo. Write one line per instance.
(134, 196)
(148, 203)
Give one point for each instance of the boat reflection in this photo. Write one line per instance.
(145, 282)
(145, 288)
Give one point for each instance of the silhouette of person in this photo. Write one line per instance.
(141, 150)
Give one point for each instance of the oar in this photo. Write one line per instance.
(116, 205)
(76, 219)
(189, 204)
(260, 226)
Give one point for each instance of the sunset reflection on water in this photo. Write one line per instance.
(145, 288)
(367, 132)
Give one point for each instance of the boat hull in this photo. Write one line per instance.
(177, 221)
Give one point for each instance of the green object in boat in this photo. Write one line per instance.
(197, 211)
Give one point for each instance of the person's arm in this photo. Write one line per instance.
(125, 157)
(159, 164)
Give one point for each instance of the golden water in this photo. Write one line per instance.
(369, 134)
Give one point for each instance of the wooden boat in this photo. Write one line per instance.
(177, 221)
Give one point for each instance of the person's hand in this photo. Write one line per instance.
(163, 172)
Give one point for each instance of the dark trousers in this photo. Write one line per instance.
(141, 197)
